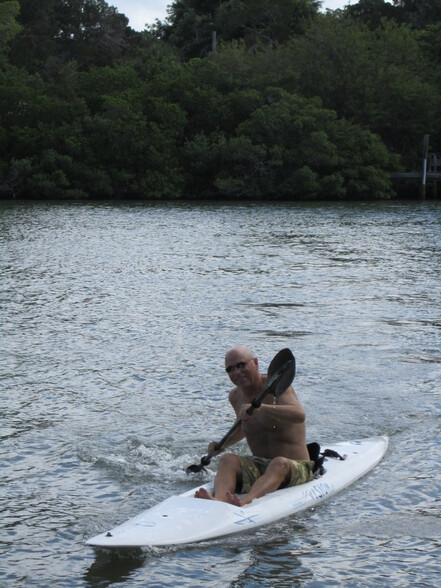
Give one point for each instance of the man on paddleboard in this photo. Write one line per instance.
(275, 434)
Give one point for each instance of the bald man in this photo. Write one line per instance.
(275, 434)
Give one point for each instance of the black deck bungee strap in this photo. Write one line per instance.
(318, 458)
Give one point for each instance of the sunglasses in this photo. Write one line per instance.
(238, 366)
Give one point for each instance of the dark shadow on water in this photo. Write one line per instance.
(109, 568)
(274, 563)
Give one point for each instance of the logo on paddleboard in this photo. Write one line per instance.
(319, 491)
(244, 519)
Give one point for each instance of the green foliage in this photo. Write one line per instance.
(292, 148)
(294, 104)
(264, 22)
(54, 32)
(371, 12)
(9, 27)
(380, 79)
(190, 24)
(416, 13)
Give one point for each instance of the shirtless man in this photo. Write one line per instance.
(275, 433)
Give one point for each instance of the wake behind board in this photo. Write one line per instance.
(184, 519)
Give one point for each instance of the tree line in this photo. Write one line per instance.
(291, 103)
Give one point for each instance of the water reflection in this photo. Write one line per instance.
(108, 569)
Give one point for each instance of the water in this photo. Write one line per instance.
(115, 321)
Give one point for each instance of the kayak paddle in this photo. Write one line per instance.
(281, 373)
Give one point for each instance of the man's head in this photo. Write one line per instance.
(242, 366)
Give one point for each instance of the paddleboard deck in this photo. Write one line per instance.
(184, 519)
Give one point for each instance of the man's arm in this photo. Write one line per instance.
(286, 410)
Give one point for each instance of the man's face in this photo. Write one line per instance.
(241, 367)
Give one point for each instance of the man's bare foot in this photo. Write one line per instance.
(203, 493)
(234, 499)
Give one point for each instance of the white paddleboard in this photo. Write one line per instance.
(184, 519)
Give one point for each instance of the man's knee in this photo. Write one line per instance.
(280, 467)
(229, 460)
(230, 470)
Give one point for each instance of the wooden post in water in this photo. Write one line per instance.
(424, 170)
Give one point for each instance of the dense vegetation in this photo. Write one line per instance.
(293, 103)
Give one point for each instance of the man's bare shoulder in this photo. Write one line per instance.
(238, 397)
(234, 395)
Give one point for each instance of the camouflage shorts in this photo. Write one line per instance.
(254, 467)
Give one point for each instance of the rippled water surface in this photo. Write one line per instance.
(115, 321)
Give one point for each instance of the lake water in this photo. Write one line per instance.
(115, 320)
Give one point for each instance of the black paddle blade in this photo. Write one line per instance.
(284, 363)
(195, 468)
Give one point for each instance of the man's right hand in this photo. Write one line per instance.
(213, 449)
(243, 414)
